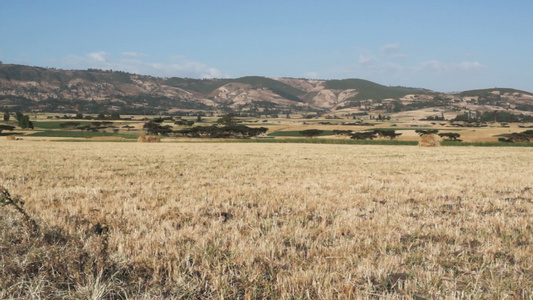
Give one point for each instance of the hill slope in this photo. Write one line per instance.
(29, 88)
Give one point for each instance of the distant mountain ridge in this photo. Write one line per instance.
(90, 91)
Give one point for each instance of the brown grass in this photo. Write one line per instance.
(10, 138)
(276, 221)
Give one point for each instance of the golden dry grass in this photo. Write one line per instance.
(287, 221)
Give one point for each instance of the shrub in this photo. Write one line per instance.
(365, 135)
(310, 133)
(451, 136)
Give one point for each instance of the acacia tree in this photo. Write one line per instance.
(389, 133)
(6, 127)
(427, 131)
(155, 128)
(367, 135)
(228, 120)
(451, 136)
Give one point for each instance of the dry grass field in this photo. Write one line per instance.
(255, 221)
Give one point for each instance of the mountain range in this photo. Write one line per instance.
(38, 89)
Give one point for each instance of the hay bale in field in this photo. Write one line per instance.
(148, 139)
(429, 140)
(10, 138)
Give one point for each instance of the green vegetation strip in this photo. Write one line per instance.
(486, 144)
(81, 134)
(132, 137)
(94, 141)
(56, 124)
(415, 128)
(297, 133)
(326, 141)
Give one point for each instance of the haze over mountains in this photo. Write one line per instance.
(91, 91)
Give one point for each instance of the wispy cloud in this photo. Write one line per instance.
(311, 75)
(133, 54)
(366, 58)
(101, 57)
(135, 62)
(437, 66)
(392, 51)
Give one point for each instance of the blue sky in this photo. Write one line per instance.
(440, 45)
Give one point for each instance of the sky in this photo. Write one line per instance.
(444, 46)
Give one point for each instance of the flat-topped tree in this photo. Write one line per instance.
(6, 127)
(426, 131)
(367, 135)
(451, 136)
(388, 133)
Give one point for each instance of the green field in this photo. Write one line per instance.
(80, 134)
(297, 133)
(56, 124)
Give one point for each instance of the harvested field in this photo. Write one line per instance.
(278, 221)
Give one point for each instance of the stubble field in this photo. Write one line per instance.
(254, 221)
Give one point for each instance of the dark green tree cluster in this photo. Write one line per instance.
(372, 134)
(112, 116)
(387, 133)
(451, 136)
(228, 120)
(426, 131)
(363, 135)
(155, 128)
(342, 132)
(70, 125)
(517, 137)
(311, 133)
(493, 116)
(6, 127)
(23, 120)
(232, 131)
(184, 123)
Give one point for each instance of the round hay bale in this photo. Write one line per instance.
(10, 138)
(153, 139)
(148, 139)
(429, 140)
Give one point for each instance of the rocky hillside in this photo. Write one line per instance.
(91, 91)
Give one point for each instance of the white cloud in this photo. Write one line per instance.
(437, 66)
(366, 58)
(99, 56)
(132, 62)
(470, 66)
(311, 75)
(133, 54)
(392, 51)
